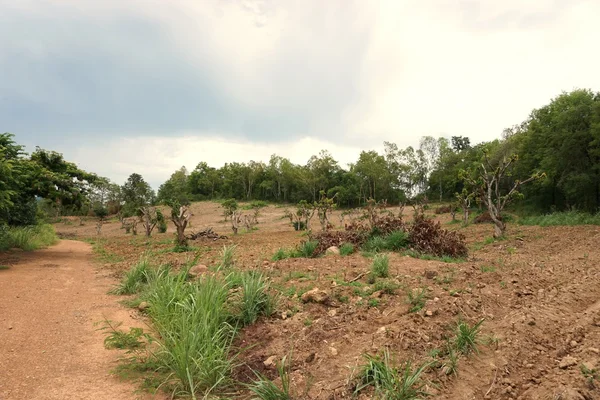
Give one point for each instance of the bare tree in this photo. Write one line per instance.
(236, 218)
(464, 198)
(180, 215)
(149, 219)
(488, 187)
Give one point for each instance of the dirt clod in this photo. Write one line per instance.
(315, 295)
(567, 362)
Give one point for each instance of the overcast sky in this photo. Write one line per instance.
(150, 85)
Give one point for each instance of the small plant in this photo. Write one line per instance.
(229, 206)
(450, 364)
(4, 267)
(227, 254)
(254, 299)
(265, 389)
(373, 303)
(280, 254)
(466, 337)
(488, 268)
(307, 248)
(381, 266)
(403, 383)
(591, 375)
(118, 339)
(346, 249)
(162, 223)
(416, 299)
(134, 279)
(375, 244)
(396, 240)
(308, 322)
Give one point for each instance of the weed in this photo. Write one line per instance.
(118, 339)
(134, 279)
(308, 322)
(4, 267)
(396, 240)
(27, 238)
(591, 375)
(265, 389)
(373, 302)
(343, 299)
(445, 279)
(254, 299)
(466, 337)
(298, 275)
(227, 254)
(488, 268)
(511, 250)
(450, 364)
(381, 266)
(570, 218)
(424, 256)
(346, 249)
(307, 248)
(391, 383)
(375, 244)
(385, 286)
(280, 254)
(417, 299)
(503, 284)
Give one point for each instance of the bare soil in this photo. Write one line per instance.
(538, 293)
(50, 348)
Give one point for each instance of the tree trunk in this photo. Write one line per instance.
(499, 229)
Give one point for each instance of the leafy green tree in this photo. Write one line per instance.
(136, 193)
(175, 188)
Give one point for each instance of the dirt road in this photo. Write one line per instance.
(49, 346)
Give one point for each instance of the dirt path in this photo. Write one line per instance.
(49, 345)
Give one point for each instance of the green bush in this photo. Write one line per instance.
(134, 279)
(569, 218)
(375, 244)
(396, 240)
(254, 299)
(307, 249)
(346, 249)
(280, 254)
(381, 266)
(27, 238)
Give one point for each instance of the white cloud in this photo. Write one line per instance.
(157, 158)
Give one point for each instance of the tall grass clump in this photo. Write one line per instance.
(193, 334)
(280, 254)
(396, 240)
(265, 389)
(375, 244)
(253, 298)
(381, 266)
(346, 249)
(27, 238)
(134, 279)
(307, 249)
(403, 383)
(568, 218)
(227, 256)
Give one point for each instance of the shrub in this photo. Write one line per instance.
(381, 266)
(254, 299)
(443, 210)
(335, 238)
(162, 223)
(427, 236)
(308, 249)
(27, 238)
(396, 240)
(299, 225)
(280, 254)
(375, 244)
(346, 249)
(391, 383)
(134, 279)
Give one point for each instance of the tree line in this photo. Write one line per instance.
(559, 144)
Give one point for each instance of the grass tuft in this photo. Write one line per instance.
(134, 279)
(416, 299)
(27, 238)
(466, 339)
(346, 249)
(380, 268)
(569, 218)
(265, 389)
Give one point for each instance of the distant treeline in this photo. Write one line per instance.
(560, 139)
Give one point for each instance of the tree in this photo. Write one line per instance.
(460, 143)
(488, 186)
(136, 193)
(175, 188)
(150, 217)
(180, 215)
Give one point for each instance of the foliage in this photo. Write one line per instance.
(136, 193)
(229, 207)
(27, 238)
(265, 389)
(417, 299)
(117, 339)
(346, 249)
(466, 337)
(308, 249)
(161, 221)
(227, 255)
(403, 383)
(380, 268)
(174, 189)
(134, 279)
(562, 218)
(254, 299)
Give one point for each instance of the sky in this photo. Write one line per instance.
(148, 86)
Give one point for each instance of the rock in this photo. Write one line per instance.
(333, 250)
(382, 330)
(333, 351)
(143, 306)
(376, 295)
(429, 313)
(315, 296)
(197, 270)
(265, 263)
(594, 350)
(332, 313)
(430, 274)
(270, 362)
(573, 343)
(567, 362)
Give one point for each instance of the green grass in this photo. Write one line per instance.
(488, 268)
(227, 256)
(4, 267)
(134, 279)
(375, 244)
(380, 268)
(307, 249)
(254, 298)
(402, 383)
(422, 256)
(346, 249)
(281, 254)
(396, 241)
(417, 299)
(27, 238)
(466, 339)
(118, 339)
(562, 218)
(264, 389)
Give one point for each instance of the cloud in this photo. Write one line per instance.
(349, 74)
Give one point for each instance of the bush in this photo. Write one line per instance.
(346, 249)
(308, 249)
(161, 222)
(396, 240)
(299, 225)
(381, 266)
(443, 210)
(27, 238)
(281, 254)
(335, 238)
(427, 236)
(375, 244)
(134, 279)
